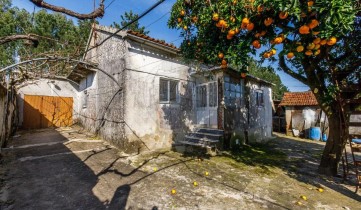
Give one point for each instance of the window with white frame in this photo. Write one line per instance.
(259, 98)
(168, 91)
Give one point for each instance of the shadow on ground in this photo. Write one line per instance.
(298, 158)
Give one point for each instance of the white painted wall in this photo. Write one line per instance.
(47, 87)
(155, 122)
(260, 116)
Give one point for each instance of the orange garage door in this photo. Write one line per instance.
(47, 111)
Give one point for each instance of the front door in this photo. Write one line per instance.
(207, 103)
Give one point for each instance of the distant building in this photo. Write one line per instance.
(302, 112)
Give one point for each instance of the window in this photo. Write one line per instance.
(85, 99)
(259, 98)
(201, 96)
(213, 94)
(168, 91)
(232, 91)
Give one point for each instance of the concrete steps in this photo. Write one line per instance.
(203, 137)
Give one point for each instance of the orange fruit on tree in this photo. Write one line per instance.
(229, 37)
(224, 66)
(308, 52)
(282, 37)
(323, 42)
(244, 26)
(268, 21)
(185, 28)
(245, 20)
(316, 41)
(179, 20)
(300, 48)
(222, 23)
(231, 32)
(313, 24)
(224, 62)
(317, 46)
(250, 26)
(290, 55)
(260, 8)
(303, 15)
(317, 52)
(273, 52)
(267, 55)
(310, 3)
(243, 75)
(263, 33)
(257, 35)
(278, 40)
(236, 30)
(220, 55)
(232, 19)
(218, 25)
(234, 2)
(304, 29)
(310, 46)
(283, 15)
(194, 19)
(215, 17)
(182, 12)
(331, 41)
(256, 44)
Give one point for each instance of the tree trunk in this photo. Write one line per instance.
(335, 144)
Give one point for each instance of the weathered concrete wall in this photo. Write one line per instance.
(103, 113)
(249, 119)
(297, 118)
(128, 114)
(260, 119)
(47, 87)
(156, 124)
(8, 114)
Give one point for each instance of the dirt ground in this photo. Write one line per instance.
(67, 168)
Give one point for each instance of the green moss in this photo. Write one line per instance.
(258, 154)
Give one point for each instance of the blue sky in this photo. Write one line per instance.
(155, 22)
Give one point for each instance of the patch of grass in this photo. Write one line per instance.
(259, 154)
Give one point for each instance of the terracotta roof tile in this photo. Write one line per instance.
(161, 42)
(299, 99)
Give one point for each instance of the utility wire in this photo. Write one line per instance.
(109, 4)
(128, 24)
(157, 19)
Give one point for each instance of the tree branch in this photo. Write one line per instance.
(99, 12)
(288, 71)
(11, 38)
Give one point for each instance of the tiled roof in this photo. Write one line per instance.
(161, 42)
(298, 99)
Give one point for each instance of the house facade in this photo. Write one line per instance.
(145, 97)
(302, 112)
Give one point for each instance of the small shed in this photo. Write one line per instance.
(302, 112)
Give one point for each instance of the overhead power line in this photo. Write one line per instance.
(128, 24)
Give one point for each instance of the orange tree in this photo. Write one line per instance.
(314, 39)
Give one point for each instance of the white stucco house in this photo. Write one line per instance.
(150, 98)
(143, 96)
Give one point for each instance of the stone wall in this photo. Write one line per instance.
(8, 114)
